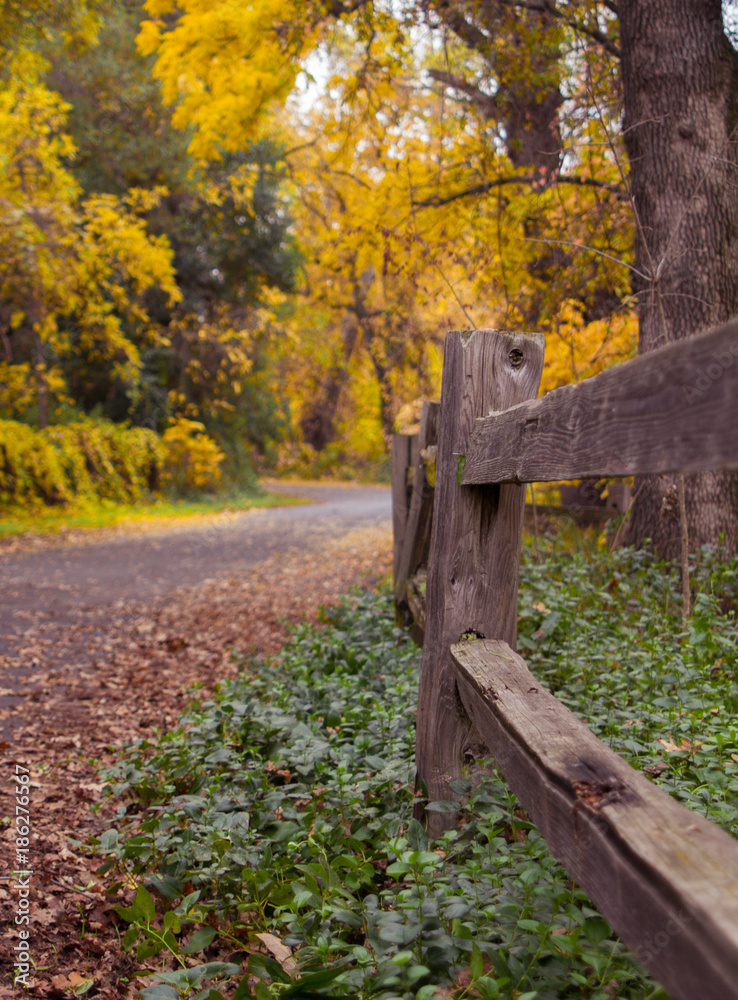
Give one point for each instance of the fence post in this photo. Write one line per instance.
(401, 444)
(416, 540)
(475, 545)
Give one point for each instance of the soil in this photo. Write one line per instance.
(79, 686)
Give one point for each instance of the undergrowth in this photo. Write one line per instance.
(283, 807)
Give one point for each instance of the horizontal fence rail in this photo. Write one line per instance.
(664, 877)
(671, 410)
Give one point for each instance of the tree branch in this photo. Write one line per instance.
(487, 103)
(469, 33)
(549, 7)
(436, 201)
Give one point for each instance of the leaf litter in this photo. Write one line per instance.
(123, 672)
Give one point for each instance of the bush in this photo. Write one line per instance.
(95, 459)
(87, 459)
(192, 460)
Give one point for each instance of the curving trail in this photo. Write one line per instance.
(57, 594)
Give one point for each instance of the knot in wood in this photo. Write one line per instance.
(595, 795)
(516, 357)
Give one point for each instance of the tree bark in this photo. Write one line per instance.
(680, 87)
(42, 392)
(318, 421)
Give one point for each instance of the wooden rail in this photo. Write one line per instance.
(672, 410)
(665, 878)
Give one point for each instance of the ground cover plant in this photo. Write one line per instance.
(278, 818)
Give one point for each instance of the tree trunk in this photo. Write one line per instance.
(318, 420)
(679, 88)
(42, 393)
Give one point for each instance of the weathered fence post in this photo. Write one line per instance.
(475, 544)
(416, 540)
(401, 444)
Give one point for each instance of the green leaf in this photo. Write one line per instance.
(488, 988)
(262, 991)
(199, 940)
(416, 836)
(148, 948)
(127, 913)
(348, 917)
(169, 886)
(172, 922)
(242, 990)
(313, 981)
(596, 929)
(476, 965)
(396, 933)
(159, 991)
(187, 903)
(267, 968)
(143, 904)
(109, 840)
(443, 806)
(193, 977)
(130, 937)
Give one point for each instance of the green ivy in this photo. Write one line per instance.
(285, 803)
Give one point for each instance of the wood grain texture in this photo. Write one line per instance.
(401, 444)
(475, 544)
(416, 541)
(672, 410)
(665, 878)
(416, 603)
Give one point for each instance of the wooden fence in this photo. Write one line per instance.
(664, 877)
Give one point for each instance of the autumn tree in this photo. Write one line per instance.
(228, 228)
(74, 272)
(466, 119)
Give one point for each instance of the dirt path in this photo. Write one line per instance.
(60, 597)
(93, 677)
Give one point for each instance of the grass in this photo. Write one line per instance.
(108, 513)
(284, 805)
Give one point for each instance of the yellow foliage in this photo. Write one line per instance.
(223, 66)
(191, 459)
(67, 264)
(89, 459)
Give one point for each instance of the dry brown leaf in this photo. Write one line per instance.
(281, 952)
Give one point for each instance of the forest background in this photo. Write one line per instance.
(234, 236)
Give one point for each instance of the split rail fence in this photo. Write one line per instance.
(664, 877)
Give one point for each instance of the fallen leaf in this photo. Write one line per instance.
(280, 951)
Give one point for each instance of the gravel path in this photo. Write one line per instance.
(57, 591)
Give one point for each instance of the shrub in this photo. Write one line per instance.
(192, 460)
(87, 459)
